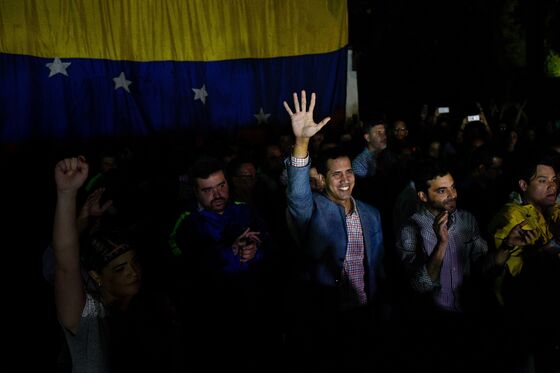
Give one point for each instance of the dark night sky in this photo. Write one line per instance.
(441, 52)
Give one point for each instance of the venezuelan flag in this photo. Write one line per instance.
(90, 68)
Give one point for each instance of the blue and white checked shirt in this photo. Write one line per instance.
(465, 249)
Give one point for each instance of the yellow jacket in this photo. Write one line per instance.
(509, 216)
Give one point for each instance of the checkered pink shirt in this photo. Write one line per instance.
(353, 266)
(299, 162)
(353, 282)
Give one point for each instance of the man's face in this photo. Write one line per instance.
(108, 163)
(213, 192)
(441, 196)
(376, 138)
(273, 158)
(434, 149)
(400, 131)
(246, 177)
(339, 179)
(542, 189)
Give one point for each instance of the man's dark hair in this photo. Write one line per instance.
(234, 166)
(325, 155)
(203, 167)
(528, 168)
(424, 171)
(373, 121)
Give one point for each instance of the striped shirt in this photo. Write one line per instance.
(465, 247)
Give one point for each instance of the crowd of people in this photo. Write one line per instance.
(395, 243)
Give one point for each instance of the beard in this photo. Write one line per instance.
(449, 205)
(218, 204)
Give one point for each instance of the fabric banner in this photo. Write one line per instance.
(100, 68)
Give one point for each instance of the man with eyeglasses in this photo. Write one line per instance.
(399, 130)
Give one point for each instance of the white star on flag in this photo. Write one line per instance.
(261, 116)
(200, 94)
(121, 82)
(58, 67)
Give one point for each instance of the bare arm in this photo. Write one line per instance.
(70, 175)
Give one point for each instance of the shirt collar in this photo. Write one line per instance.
(354, 207)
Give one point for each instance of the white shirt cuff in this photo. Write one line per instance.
(299, 162)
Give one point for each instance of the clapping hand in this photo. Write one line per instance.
(441, 226)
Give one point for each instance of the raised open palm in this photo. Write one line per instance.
(302, 118)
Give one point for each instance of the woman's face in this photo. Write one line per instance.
(122, 276)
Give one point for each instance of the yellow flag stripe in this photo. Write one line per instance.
(179, 30)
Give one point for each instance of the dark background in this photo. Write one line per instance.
(407, 53)
(449, 53)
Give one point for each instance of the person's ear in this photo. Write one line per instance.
(523, 185)
(366, 136)
(95, 276)
(322, 180)
(423, 197)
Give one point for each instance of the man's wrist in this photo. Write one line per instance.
(299, 162)
(300, 148)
